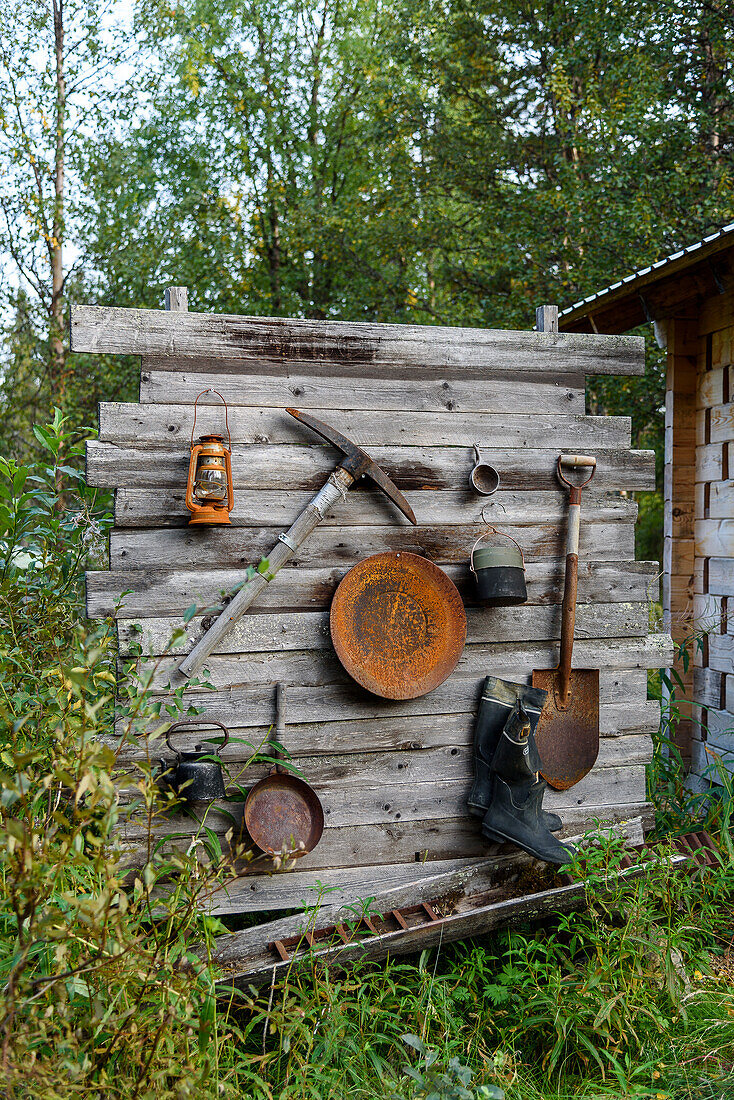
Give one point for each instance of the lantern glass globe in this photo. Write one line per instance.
(210, 485)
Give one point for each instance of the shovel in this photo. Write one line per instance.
(568, 731)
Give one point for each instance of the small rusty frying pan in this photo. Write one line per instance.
(282, 812)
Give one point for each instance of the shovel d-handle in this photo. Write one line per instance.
(334, 489)
(570, 588)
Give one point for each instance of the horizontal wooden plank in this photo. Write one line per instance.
(254, 466)
(709, 462)
(486, 910)
(121, 422)
(378, 752)
(318, 669)
(721, 500)
(707, 687)
(710, 760)
(710, 387)
(299, 644)
(720, 577)
(721, 652)
(369, 804)
(562, 394)
(424, 844)
(249, 702)
(392, 772)
(622, 695)
(281, 632)
(245, 945)
(152, 590)
(142, 332)
(225, 548)
(721, 424)
(717, 725)
(443, 507)
(715, 538)
(312, 590)
(707, 613)
(234, 947)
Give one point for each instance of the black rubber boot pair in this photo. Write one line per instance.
(499, 699)
(507, 791)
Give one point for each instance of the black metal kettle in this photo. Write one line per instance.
(194, 775)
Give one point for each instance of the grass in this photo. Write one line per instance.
(101, 995)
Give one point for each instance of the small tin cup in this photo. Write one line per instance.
(484, 478)
(500, 572)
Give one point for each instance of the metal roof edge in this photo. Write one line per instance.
(677, 261)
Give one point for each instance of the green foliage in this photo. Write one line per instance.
(100, 989)
(51, 525)
(431, 1082)
(102, 992)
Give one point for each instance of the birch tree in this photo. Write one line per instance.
(57, 70)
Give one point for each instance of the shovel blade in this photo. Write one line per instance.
(568, 737)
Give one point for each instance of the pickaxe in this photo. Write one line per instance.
(357, 464)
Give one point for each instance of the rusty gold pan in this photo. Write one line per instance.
(398, 625)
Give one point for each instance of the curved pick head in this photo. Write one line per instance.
(358, 463)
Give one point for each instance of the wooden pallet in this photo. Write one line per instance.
(459, 912)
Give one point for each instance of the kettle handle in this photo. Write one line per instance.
(494, 531)
(196, 722)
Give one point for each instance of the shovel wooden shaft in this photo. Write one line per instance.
(567, 734)
(570, 588)
(283, 550)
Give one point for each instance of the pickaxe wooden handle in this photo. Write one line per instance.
(357, 464)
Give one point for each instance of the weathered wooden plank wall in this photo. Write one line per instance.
(712, 567)
(392, 776)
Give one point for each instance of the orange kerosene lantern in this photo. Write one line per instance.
(209, 491)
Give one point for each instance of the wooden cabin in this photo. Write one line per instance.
(689, 299)
(392, 776)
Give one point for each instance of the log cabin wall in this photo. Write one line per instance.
(393, 776)
(678, 513)
(690, 298)
(713, 674)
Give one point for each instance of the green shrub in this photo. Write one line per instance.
(102, 994)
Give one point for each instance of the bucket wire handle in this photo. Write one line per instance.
(196, 722)
(493, 530)
(226, 417)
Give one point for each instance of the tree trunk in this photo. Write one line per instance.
(56, 327)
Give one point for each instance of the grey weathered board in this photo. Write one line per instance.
(392, 776)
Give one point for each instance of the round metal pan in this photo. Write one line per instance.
(398, 625)
(282, 813)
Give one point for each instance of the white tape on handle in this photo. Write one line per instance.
(574, 521)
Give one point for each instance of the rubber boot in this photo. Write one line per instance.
(516, 759)
(520, 820)
(499, 700)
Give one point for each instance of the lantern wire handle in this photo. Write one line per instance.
(226, 417)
